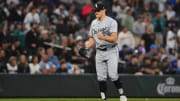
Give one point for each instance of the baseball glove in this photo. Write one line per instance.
(84, 52)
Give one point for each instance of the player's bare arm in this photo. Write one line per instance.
(112, 38)
(90, 43)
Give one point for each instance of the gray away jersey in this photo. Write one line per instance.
(107, 26)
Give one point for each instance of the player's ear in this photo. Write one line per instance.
(104, 10)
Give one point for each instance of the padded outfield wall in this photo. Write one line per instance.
(63, 85)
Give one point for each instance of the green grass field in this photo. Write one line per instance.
(88, 99)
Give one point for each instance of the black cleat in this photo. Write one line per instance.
(104, 100)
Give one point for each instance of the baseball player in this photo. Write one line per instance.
(103, 33)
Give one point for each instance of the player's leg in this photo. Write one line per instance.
(113, 73)
(101, 69)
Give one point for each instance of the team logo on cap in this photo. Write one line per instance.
(96, 5)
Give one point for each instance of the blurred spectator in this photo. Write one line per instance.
(67, 67)
(54, 38)
(13, 49)
(3, 57)
(41, 52)
(52, 58)
(165, 66)
(141, 57)
(32, 39)
(74, 18)
(86, 10)
(4, 46)
(178, 41)
(13, 14)
(171, 39)
(4, 35)
(163, 54)
(15, 2)
(161, 5)
(72, 27)
(12, 66)
(11, 28)
(149, 7)
(3, 61)
(146, 67)
(116, 8)
(125, 37)
(178, 61)
(172, 23)
(44, 38)
(31, 17)
(19, 34)
(79, 44)
(133, 66)
(139, 26)
(128, 20)
(65, 52)
(170, 13)
(173, 66)
(159, 28)
(61, 27)
(61, 11)
(124, 52)
(17, 13)
(81, 33)
(3, 14)
(23, 66)
(155, 67)
(140, 49)
(149, 25)
(34, 65)
(77, 58)
(172, 53)
(44, 20)
(148, 38)
(153, 51)
(46, 67)
(119, 8)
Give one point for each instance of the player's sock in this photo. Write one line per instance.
(121, 91)
(118, 85)
(103, 89)
(103, 96)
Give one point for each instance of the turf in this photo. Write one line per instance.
(88, 99)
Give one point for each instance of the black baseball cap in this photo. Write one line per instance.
(99, 6)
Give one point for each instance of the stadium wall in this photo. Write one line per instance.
(63, 85)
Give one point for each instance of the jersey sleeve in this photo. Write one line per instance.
(113, 27)
(91, 31)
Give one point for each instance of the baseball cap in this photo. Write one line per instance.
(99, 6)
(153, 46)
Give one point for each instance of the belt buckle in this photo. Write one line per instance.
(105, 49)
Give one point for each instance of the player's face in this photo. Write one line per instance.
(99, 13)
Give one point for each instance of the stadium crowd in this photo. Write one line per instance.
(43, 36)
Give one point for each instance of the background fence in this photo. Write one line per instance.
(62, 85)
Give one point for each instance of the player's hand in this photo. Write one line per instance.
(100, 36)
(84, 52)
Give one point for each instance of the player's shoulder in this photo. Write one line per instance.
(110, 19)
(94, 21)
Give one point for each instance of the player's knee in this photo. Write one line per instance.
(102, 78)
(113, 77)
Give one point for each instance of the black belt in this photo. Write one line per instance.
(105, 49)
